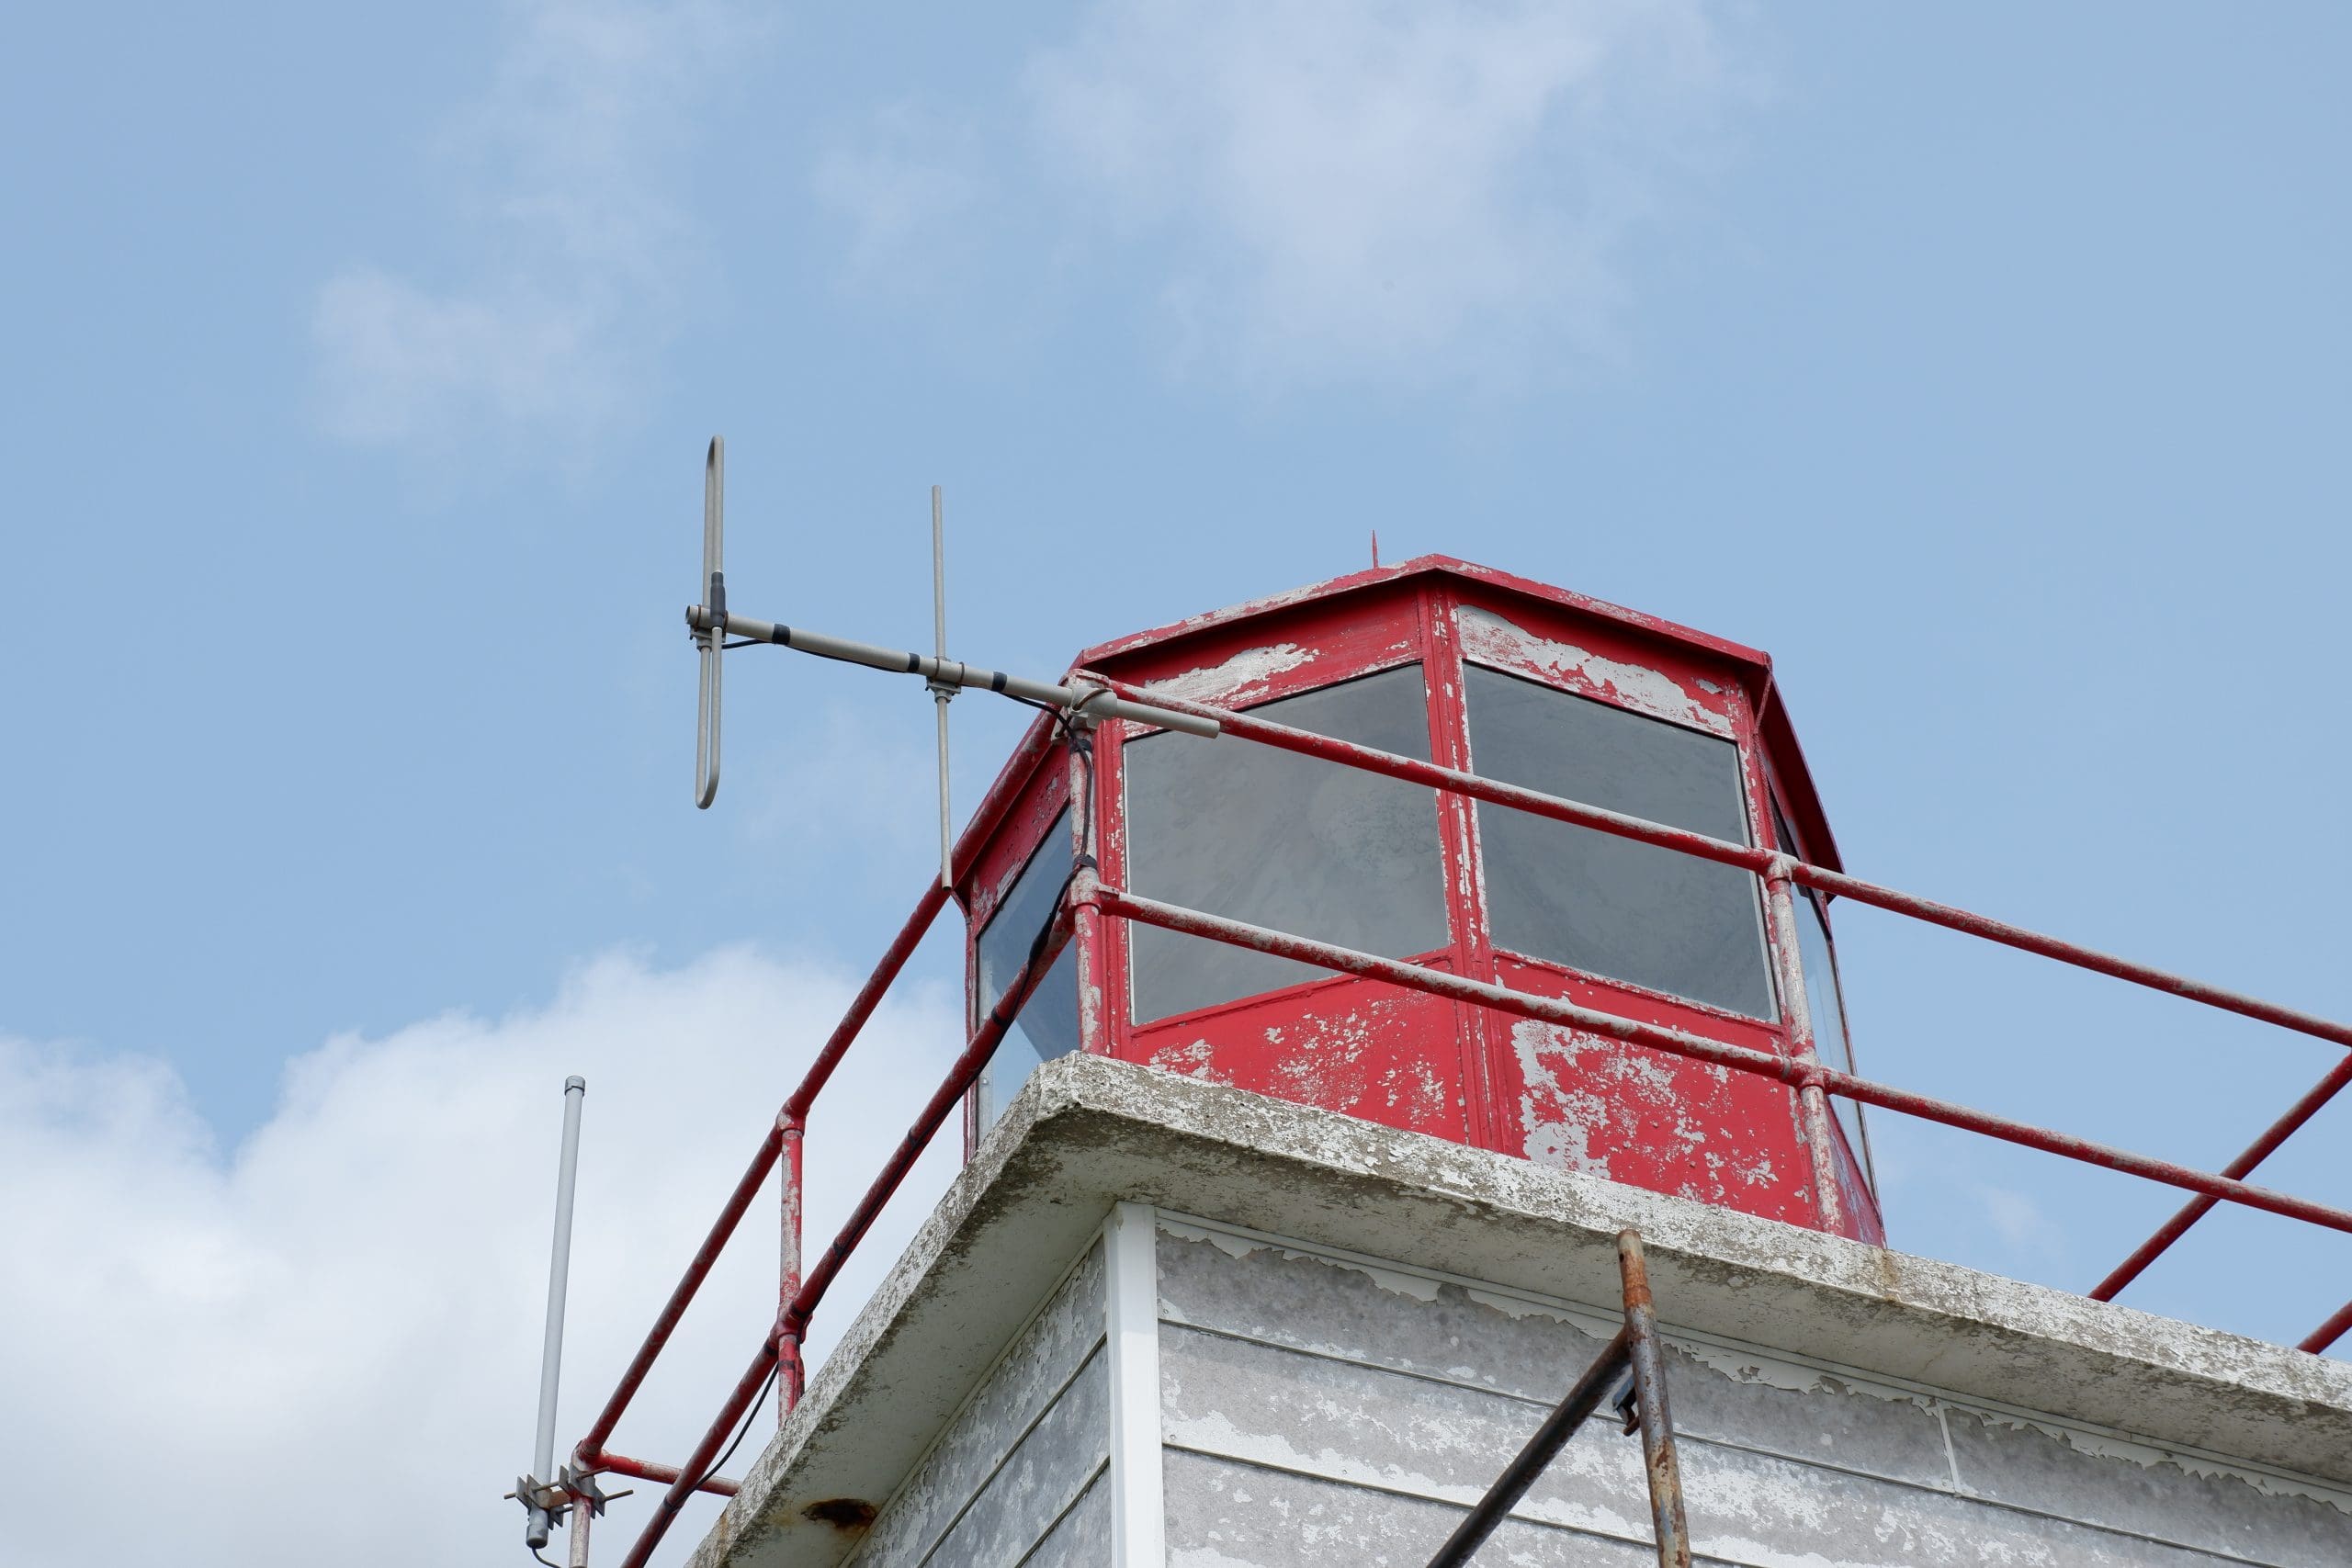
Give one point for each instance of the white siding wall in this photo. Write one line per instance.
(1320, 1410)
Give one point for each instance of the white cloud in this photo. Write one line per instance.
(581, 257)
(2021, 1223)
(1331, 189)
(322, 1345)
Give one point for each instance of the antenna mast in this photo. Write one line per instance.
(940, 690)
(547, 1494)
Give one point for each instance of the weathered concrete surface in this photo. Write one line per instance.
(1086, 1132)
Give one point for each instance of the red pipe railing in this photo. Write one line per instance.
(590, 1452)
(1763, 863)
(1771, 865)
(798, 1298)
(795, 1320)
(784, 1140)
(1739, 1058)
(2328, 1333)
(2278, 1133)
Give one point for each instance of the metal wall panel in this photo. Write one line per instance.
(1320, 1409)
(1025, 1444)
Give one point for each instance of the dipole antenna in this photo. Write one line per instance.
(710, 624)
(707, 643)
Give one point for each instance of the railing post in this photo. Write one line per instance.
(1658, 1462)
(1086, 914)
(791, 1127)
(1796, 1017)
(578, 1556)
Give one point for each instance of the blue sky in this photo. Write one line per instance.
(1987, 365)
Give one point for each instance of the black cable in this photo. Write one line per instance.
(534, 1551)
(749, 1416)
(1033, 703)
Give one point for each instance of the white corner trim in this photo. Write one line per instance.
(1131, 1289)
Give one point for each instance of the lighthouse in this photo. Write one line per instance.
(1478, 672)
(1410, 1117)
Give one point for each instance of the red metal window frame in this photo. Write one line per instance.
(1442, 623)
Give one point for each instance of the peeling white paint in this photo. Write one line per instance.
(2146, 1457)
(1407, 1282)
(1247, 674)
(1491, 639)
(1197, 1060)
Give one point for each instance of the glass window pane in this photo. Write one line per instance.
(1047, 1025)
(1827, 1008)
(1605, 905)
(1823, 1002)
(1283, 841)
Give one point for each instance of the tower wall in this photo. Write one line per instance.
(1333, 1410)
(1161, 1322)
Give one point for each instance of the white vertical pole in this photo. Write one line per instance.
(1131, 1278)
(575, 1090)
(939, 694)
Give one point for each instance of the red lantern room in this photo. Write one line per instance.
(1450, 663)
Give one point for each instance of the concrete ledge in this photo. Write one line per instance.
(1086, 1132)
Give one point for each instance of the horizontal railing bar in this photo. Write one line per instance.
(1740, 1058)
(646, 1469)
(1747, 857)
(795, 1317)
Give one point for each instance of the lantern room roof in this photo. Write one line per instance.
(1424, 566)
(1752, 666)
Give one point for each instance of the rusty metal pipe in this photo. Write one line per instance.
(1740, 1058)
(1582, 1399)
(1747, 857)
(788, 1344)
(1659, 1464)
(578, 1556)
(2197, 1208)
(646, 1469)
